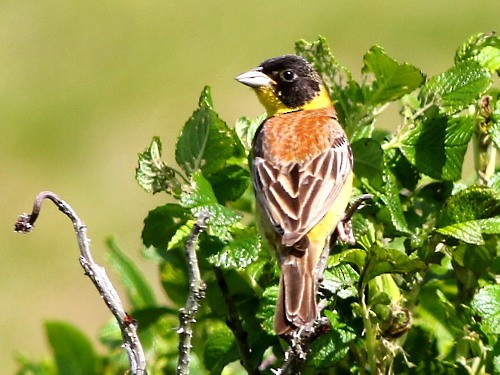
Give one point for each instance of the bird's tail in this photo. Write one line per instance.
(296, 305)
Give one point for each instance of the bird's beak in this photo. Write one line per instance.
(255, 78)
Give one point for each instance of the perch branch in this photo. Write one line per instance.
(96, 273)
(196, 294)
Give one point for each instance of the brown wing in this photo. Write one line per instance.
(296, 195)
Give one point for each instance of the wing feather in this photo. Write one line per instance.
(295, 196)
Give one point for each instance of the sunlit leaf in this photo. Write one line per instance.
(458, 87)
(153, 175)
(392, 80)
(437, 146)
(487, 304)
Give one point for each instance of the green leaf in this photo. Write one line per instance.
(479, 259)
(241, 251)
(392, 79)
(153, 175)
(246, 128)
(436, 147)
(29, 367)
(220, 349)
(368, 162)
(139, 292)
(473, 203)
(174, 275)
(341, 281)
(487, 304)
(381, 260)
(206, 142)
(489, 58)
(230, 183)
(432, 315)
(331, 347)
(458, 87)
(199, 196)
(354, 256)
(162, 223)
(73, 351)
(267, 308)
(475, 44)
(390, 198)
(467, 231)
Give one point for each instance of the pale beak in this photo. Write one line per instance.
(255, 78)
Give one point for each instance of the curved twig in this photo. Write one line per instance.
(96, 273)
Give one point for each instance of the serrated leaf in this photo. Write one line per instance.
(368, 161)
(381, 260)
(162, 223)
(475, 44)
(241, 251)
(354, 256)
(489, 58)
(470, 213)
(487, 304)
(467, 231)
(436, 147)
(390, 198)
(458, 87)
(472, 203)
(139, 292)
(199, 197)
(181, 235)
(267, 309)
(220, 349)
(330, 348)
(341, 280)
(73, 351)
(153, 175)
(246, 128)
(206, 142)
(392, 79)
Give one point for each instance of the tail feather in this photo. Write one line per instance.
(297, 296)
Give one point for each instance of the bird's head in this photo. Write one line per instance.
(286, 84)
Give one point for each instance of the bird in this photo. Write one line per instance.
(302, 173)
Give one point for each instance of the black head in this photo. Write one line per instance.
(296, 80)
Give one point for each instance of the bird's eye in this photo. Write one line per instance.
(288, 75)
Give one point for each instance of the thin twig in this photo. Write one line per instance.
(196, 294)
(234, 323)
(96, 273)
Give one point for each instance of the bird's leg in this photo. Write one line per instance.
(344, 228)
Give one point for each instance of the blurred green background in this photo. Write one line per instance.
(84, 85)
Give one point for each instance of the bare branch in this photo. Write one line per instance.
(96, 273)
(196, 294)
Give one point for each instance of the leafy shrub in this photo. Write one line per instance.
(419, 291)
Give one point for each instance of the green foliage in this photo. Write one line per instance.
(417, 294)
